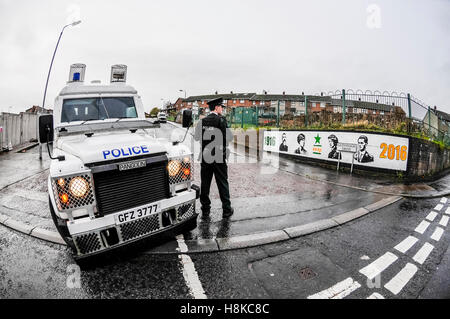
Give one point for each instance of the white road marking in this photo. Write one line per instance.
(438, 207)
(431, 216)
(338, 291)
(437, 234)
(423, 253)
(448, 211)
(375, 295)
(377, 266)
(444, 221)
(396, 284)
(444, 200)
(422, 227)
(189, 273)
(406, 244)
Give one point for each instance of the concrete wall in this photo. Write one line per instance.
(425, 159)
(17, 129)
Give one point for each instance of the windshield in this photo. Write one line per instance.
(88, 109)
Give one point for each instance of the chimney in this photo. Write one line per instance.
(284, 93)
(231, 92)
(435, 108)
(216, 93)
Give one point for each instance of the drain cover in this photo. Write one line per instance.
(307, 273)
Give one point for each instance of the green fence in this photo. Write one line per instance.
(345, 109)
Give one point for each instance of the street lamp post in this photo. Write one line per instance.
(53, 58)
(184, 92)
(50, 70)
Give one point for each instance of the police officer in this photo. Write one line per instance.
(214, 135)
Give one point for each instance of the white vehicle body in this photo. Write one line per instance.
(162, 117)
(118, 181)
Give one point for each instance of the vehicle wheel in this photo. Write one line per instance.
(191, 225)
(61, 226)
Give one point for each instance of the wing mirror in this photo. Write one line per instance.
(187, 118)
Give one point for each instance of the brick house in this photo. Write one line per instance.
(289, 103)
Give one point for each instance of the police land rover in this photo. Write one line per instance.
(113, 180)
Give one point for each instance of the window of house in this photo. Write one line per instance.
(234, 101)
(242, 101)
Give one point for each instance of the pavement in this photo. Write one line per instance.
(274, 200)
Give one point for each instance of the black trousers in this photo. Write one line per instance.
(220, 172)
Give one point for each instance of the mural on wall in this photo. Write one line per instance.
(373, 150)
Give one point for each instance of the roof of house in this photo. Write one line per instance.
(226, 96)
(258, 97)
(443, 115)
(37, 109)
(364, 105)
(290, 97)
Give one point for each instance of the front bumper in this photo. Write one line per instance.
(93, 236)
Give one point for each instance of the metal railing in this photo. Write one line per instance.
(393, 112)
(17, 129)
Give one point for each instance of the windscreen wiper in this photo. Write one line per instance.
(90, 120)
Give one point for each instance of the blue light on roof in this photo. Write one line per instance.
(76, 76)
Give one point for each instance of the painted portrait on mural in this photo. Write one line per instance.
(283, 145)
(362, 156)
(333, 141)
(301, 139)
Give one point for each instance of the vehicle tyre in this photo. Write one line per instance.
(191, 225)
(61, 227)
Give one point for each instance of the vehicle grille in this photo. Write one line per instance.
(88, 243)
(185, 211)
(120, 190)
(177, 175)
(73, 201)
(140, 227)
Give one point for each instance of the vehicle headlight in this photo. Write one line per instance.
(174, 167)
(78, 187)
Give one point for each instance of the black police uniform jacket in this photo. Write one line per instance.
(211, 141)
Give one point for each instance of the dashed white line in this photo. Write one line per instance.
(422, 227)
(431, 216)
(423, 253)
(437, 234)
(444, 221)
(396, 284)
(338, 291)
(376, 267)
(406, 244)
(375, 295)
(189, 273)
(438, 207)
(444, 200)
(448, 211)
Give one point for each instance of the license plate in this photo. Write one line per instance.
(132, 165)
(137, 213)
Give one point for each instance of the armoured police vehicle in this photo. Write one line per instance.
(113, 180)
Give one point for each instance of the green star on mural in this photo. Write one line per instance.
(317, 139)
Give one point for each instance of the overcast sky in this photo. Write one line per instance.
(203, 46)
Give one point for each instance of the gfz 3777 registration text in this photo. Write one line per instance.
(137, 213)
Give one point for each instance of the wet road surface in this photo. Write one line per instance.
(31, 268)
